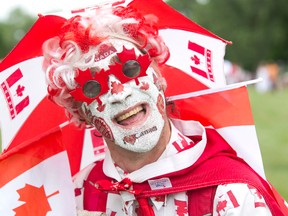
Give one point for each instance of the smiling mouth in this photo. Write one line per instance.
(132, 116)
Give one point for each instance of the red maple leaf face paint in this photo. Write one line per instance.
(116, 88)
(101, 107)
(134, 106)
(144, 86)
(131, 139)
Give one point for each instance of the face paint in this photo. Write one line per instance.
(131, 113)
(133, 118)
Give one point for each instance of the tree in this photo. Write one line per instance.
(13, 29)
(257, 28)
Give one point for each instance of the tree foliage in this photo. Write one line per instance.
(258, 28)
(13, 29)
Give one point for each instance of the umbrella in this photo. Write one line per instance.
(196, 61)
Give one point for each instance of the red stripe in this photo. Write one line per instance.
(259, 204)
(199, 72)
(233, 199)
(15, 77)
(197, 48)
(20, 106)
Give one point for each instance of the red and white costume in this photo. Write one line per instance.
(236, 198)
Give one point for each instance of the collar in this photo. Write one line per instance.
(180, 153)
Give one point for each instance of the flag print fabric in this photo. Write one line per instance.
(29, 181)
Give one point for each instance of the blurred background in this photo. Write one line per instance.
(259, 32)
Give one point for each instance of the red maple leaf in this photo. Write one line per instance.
(195, 59)
(144, 86)
(221, 206)
(101, 108)
(258, 194)
(117, 88)
(36, 201)
(181, 207)
(130, 139)
(19, 90)
(160, 198)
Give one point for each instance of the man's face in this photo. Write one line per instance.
(131, 113)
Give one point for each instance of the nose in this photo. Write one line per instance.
(118, 91)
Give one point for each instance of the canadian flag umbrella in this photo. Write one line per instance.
(195, 63)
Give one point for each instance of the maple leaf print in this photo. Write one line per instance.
(19, 90)
(130, 139)
(116, 88)
(144, 86)
(36, 201)
(160, 198)
(181, 207)
(101, 108)
(258, 194)
(221, 206)
(196, 60)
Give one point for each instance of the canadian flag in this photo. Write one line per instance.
(14, 95)
(194, 51)
(23, 93)
(36, 180)
(226, 109)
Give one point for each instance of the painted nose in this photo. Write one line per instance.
(118, 91)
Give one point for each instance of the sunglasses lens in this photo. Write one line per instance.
(91, 89)
(131, 68)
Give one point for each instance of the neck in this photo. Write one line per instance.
(131, 161)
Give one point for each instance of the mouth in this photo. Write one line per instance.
(133, 116)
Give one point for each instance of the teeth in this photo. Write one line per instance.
(129, 114)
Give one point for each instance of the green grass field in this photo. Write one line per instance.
(270, 111)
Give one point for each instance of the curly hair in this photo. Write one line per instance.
(77, 45)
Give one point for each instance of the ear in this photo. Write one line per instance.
(161, 82)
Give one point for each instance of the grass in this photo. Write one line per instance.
(270, 111)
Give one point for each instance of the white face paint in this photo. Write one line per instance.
(132, 113)
(133, 119)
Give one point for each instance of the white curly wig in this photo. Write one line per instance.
(78, 42)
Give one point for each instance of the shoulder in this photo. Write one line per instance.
(239, 199)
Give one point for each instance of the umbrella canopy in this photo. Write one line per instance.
(195, 63)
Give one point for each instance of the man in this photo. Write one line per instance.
(103, 69)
